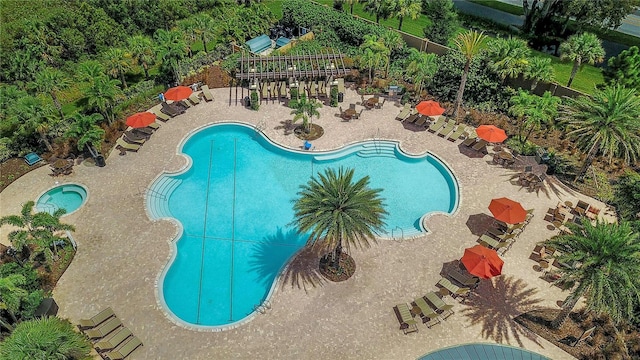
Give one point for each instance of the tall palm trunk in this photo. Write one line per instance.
(145, 67)
(567, 307)
(400, 24)
(574, 71)
(337, 254)
(56, 103)
(46, 141)
(5, 324)
(352, 8)
(588, 161)
(534, 84)
(463, 83)
(204, 43)
(124, 82)
(377, 19)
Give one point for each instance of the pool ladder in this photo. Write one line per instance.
(262, 308)
(261, 125)
(149, 191)
(401, 233)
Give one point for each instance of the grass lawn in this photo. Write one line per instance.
(586, 79)
(276, 7)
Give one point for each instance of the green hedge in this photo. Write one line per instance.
(317, 17)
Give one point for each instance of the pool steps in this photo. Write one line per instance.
(375, 149)
(158, 197)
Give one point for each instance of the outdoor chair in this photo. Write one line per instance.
(160, 115)
(437, 302)
(114, 340)
(436, 125)
(104, 329)
(154, 126)
(455, 135)
(129, 138)
(206, 93)
(32, 159)
(357, 115)
(125, 146)
(182, 104)
(480, 146)
(454, 290)
(463, 279)
(407, 323)
(380, 104)
(426, 312)
(172, 109)
(96, 320)
(124, 350)
(421, 120)
(447, 128)
(412, 118)
(194, 99)
(581, 208)
(470, 141)
(404, 113)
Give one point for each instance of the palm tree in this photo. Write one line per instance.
(375, 53)
(36, 231)
(34, 115)
(45, 338)
(421, 68)
(337, 212)
(533, 111)
(305, 110)
(393, 41)
(406, 8)
(608, 273)
(379, 8)
(203, 27)
(85, 131)
(510, 56)
(88, 71)
(142, 52)
(102, 94)
(187, 29)
(171, 48)
(606, 123)
(585, 48)
(539, 69)
(469, 43)
(51, 81)
(117, 63)
(351, 3)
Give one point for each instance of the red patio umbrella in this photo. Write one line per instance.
(491, 133)
(141, 119)
(178, 93)
(482, 262)
(507, 210)
(429, 108)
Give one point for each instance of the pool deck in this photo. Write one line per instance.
(121, 253)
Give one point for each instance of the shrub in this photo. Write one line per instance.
(334, 96)
(627, 195)
(254, 100)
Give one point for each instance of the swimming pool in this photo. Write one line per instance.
(483, 352)
(68, 196)
(235, 205)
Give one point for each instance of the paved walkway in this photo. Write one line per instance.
(121, 254)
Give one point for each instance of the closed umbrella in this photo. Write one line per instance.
(429, 108)
(507, 210)
(178, 93)
(482, 262)
(491, 133)
(140, 120)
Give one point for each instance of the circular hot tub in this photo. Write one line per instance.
(68, 196)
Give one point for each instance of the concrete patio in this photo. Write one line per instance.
(121, 253)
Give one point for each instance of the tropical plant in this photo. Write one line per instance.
(469, 44)
(583, 48)
(46, 338)
(51, 81)
(394, 44)
(171, 48)
(533, 112)
(509, 56)
(20, 293)
(34, 116)
(374, 54)
(11, 296)
(624, 69)
(305, 109)
(85, 131)
(443, 20)
(88, 71)
(604, 262)
(117, 63)
(337, 211)
(142, 52)
(36, 232)
(102, 94)
(607, 123)
(539, 69)
(379, 8)
(351, 3)
(203, 26)
(627, 196)
(421, 67)
(405, 8)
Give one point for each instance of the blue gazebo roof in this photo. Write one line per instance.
(259, 44)
(282, 41)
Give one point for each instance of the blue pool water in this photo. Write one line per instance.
(69, 197)
(235, 206)
(483, 352)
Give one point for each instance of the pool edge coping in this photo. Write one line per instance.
(60, 184)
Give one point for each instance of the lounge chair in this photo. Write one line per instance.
(412, 118)
(446, 129)
(171, 109)
(488, 241)
(206, 93)
(32, 159)
(154, 126)
(114, 340)
(421, 120)
(439, 304)
(183, 104)
(313, 90)
(455, 135)
(470, 141)
(425, 310)
(436, 125)
(104, 329)
(265, 90)
(125, 349)
(404, 113)
(160, 115)
(453, 289)
(194, 99)
(96, 320)
(129, 138)
(340, 85)
(407, 323)
(581, 208)
(125, 146)
(481, 145)
(463, 279)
